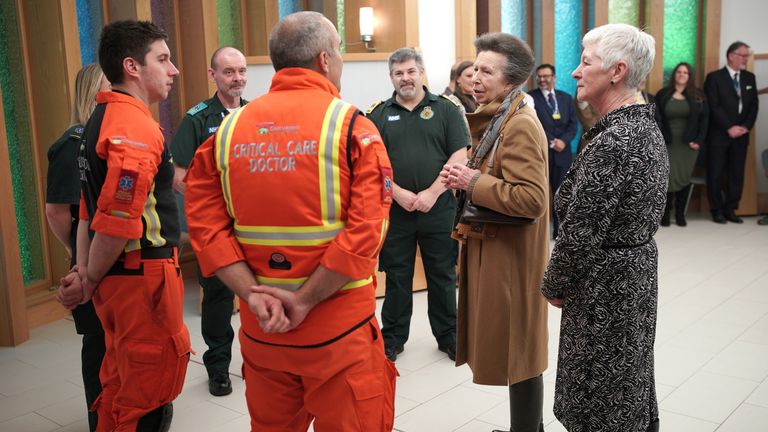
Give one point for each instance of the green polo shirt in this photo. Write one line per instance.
(419, 142)
(200, 122)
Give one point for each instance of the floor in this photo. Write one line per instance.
(711, 356)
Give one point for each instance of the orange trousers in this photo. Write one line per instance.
(348, 385)
(140, 304)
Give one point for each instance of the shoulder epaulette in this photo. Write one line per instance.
(373, 107)
(197, 108)
(454, 100)
(77, 132)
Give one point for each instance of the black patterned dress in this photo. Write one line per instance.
(604, 267)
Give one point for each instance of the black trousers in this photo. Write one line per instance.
(87, 324)
(725, 167)
(432, 232)
(216, 324)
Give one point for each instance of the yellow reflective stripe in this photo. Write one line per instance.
(322, 160)
(292, 284)
(336, 176)
(152, 220)
(287, 236)
(382, 236)
(328, 161)
(223, 144)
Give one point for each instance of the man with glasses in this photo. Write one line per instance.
(732, 96)
(556, 113)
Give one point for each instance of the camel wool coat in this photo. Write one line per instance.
(502, 315)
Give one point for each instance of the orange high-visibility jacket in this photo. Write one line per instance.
(274, 187)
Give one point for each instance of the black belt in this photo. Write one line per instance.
(317, 345)
(118, 268)
(624, 246)
(163, 252)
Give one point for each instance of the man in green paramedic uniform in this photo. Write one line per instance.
(229, 71)
(422, 132)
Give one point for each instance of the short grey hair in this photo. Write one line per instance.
(622, 42)
(520, 60)
(298, 39)
(402, 55)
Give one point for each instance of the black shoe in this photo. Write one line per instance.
(392, 352)
(450, 350)
(731, 217)
(763, 220)
(219, 384)
(680, 220)
(718, 218)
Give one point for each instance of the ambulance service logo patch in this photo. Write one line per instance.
(386, 184)
(126, 186)
(427, 113)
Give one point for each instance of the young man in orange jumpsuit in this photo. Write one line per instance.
(288, 204)
(127, 239)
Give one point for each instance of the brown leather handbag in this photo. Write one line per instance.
(476, 214)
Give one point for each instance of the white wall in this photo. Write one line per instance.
(362, 83)
(437, 40)
(744, 20)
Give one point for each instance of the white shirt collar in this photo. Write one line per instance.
(731, 72)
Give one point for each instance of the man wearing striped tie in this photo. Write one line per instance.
(557, 115)
(732, 96)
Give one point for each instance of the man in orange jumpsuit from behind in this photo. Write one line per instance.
(288, 205)
(128, 235)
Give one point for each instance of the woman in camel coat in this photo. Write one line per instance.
(502, 316)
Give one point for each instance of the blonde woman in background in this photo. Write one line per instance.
(61, 208)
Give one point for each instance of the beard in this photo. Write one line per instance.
(235, 92)
(407, 93)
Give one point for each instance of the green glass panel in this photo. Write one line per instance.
(514, 18)
(624, 11)
(681, 18)
(340, 24)
(20, 150)
(229, 23)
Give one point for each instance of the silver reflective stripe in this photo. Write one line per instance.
(319, 235)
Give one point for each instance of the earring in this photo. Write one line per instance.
(612, 83)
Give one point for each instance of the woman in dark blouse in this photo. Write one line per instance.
(684, 118)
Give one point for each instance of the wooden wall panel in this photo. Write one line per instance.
(712, 54)
(466, 29)
(601, 12)
(13, 312)
(654, 25)
(197, 27)
(548, 31)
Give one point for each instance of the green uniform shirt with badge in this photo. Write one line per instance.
(419, 142)
(200, 122)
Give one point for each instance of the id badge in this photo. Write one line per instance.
(556, 116)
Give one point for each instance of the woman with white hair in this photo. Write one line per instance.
(603, 271)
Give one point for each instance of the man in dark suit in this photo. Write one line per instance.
(557, 115)
(732, 96)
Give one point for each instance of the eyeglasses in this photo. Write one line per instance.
(544, 76)
(741, 55)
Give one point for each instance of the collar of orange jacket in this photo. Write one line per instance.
(300, 79)
(118, 96)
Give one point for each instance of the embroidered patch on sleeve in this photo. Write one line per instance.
(126, 186)
(386, 184)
